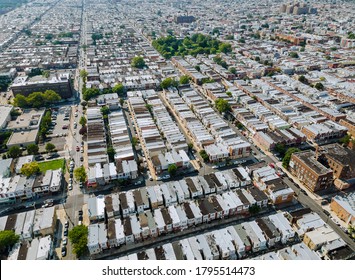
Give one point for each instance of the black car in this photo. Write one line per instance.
(64, 251)
(81, 158)
(326, 212)
(39, 158)
(65, 231)
(304, 192)
(80, 218)
(80, 212)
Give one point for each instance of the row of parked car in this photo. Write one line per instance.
(65, 239)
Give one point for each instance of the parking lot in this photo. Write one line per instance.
(60, 122)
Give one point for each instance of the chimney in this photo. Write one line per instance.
(317, 151)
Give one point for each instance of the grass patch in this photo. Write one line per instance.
(52, 165)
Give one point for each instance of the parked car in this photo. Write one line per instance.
(64, 251)
(39, 158)
(65, 241)
(81, 158)
(77, 148)
(65, 233)
(326, 212)
(66, 224)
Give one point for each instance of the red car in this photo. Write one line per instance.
(77, 148)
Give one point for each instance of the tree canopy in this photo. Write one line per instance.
(138, 62)
(82, 120)
(32, 149)
(184, 80)
(169, 82)
(172, 169)
(37, 99)
(14, 152)
(222, 105)
(45, 123)
(119, 89)
(287, 157)
(83, 74)
(111, 153)
(8, 238)
(319, 86)
(80, 174)
(50, 147)
(204, 156)
(30, 168)
(196, 44)
(78, 236)
(89, 93)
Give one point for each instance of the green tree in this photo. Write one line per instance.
(281, 149)
(50, 96)
(83, 74)
(229, 93)
(105, 110)
(50, 147)
(345, 140)
(36, 100)
(254, 209)
(204, 156)
(90, 93)
(225, 48)
(222, 105)
(30, 168)
(78, 236)
(287, 157)
(20, 101)
(48, 36)
(138, 62)
(32, 149)
(190, 146)
(8, 238)
(134, 141)
(14, 152)
(119, 89)
(319, 86)
(80, 174)
(168, 82)
(197, 67)
(293, 55)
(121, 101)
(45, 123)
(184, 80)
(46, 74)
(233, 70)
(172, 170)
(82, 120)
(302, 79)
(111, 153)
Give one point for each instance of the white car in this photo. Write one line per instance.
(65, 241)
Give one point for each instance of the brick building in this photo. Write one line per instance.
(310, 172)
(344, 207)
(341, 160)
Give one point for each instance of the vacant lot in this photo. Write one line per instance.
(51, 165)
